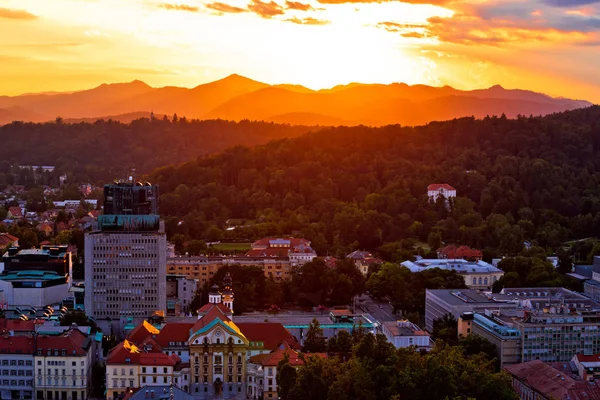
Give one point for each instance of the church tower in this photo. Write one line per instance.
(227, 294)
(214, 296)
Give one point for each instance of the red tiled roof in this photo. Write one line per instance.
(72, 341)
(6, 239)
(15, 211)
(174, 332)
(544, 379)
(590, 358)
(270, 333)
(206, 308)
(258, 358)
(273, 358)
(438, 186)
(18, 325)
(150, 345)
(330, 261)
(120, 353)
(156, 359)
(17, 344)
(139, 333)
(211, 314)
(372, 260)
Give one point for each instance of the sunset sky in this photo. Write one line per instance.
(551, 46)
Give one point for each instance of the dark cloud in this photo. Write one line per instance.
(264, 9)
(295, 5)
(16, 14)
(569, 3)
(308, 21)
(224, 8)
(502, 23)
(179, 7)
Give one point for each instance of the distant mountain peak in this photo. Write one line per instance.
(236, 78)
(497, 87)
(133, 84)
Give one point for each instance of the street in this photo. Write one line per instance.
(381, 311)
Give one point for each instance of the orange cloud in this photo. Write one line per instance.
(178, 7)
(264, 9)
(16, 14)
(464, 29)
(308, 21)
(224, 8)
(295, 5)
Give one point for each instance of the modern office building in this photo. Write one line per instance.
(125, 260)
(128, 198)
(404, 334)
(477, 274)
(440, 302)
(551, 324)
(36, 277)
(591, 287)
(498, 330)
(48, 258)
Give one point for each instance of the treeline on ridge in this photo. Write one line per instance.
(531, 179)
(105, 150)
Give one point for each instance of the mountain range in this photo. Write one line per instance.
(236, 98)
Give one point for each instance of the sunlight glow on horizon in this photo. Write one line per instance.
(74, 45)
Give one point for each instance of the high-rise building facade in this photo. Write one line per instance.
(125, 260)
(128, 198)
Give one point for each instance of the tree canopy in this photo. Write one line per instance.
(533, 179)
(378, 371)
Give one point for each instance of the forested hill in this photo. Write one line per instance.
(105, 150)
(532, 179)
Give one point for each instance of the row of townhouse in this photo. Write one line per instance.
(46, 367)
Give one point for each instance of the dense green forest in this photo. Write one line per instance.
(375, 370)
(533, 179)
(106, 150)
